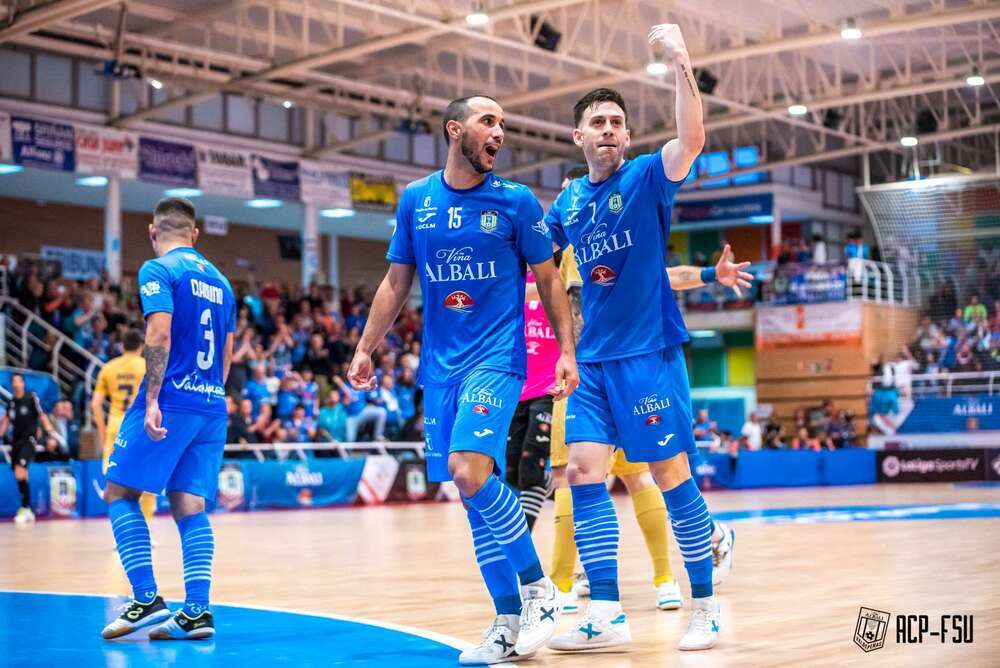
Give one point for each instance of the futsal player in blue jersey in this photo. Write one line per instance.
(633, 391)
(173, 435)
(470, 236)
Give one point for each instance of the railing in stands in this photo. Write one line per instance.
(949, 384)
(284, 450)
(69, 363)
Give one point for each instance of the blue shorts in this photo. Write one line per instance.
(641, 404)
(469, 415)
(188, 459)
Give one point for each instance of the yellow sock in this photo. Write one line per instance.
(651, 513)
(564, 549)
(147, 502)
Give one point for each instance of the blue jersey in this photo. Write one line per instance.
(470, 248)
(182, 282)
(619, 229)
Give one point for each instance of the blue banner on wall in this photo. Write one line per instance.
(939, 415)
(276, 179)
(315, 482)
(169, 163)
(725, 208)
(809, 284)
(43, 144)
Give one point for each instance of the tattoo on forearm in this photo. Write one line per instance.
(576, 308)
(689, 79)
(685, 276)
(156, 369)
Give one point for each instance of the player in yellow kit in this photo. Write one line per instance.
(118, 382)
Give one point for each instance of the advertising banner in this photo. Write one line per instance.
(372, 193)
(276, 179)
(43, 144)
(77, 263)
(809, 284)
(322, 184)
(827, 324)
(225, 172)
(169, 163)
(106, 151)
(725, 208)
(319, 482)
(6, 152)
(954, 465)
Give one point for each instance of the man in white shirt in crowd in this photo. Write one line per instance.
(753, 432)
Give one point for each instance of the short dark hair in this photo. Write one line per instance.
(132, 340)
(458, 110)
(16, 375)
(594, 97)
(174, 215)
(577, 171)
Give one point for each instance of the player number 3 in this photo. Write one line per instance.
(205, 359)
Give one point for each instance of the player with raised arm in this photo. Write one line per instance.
(173, 435)
(471, 236)
(634, 391)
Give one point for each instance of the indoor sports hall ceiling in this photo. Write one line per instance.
(387, 61)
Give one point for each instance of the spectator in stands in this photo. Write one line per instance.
(256, 389)
(363, 409)
(411, 358)
(774, 435)
(753, 432)
(842, 431)
(81, 327)
(67, 445)
(317, 357)
(929, 336)
(902, 371)
(332, 423)
(299, 428)
(389, 400)
(974, 311)
(787, 253)
(406, 393)
(100, 345)
(243, 355)
(673, 259)
(240, 422)
(819, 252)
(309, 393)
(266, 428)
(705, 429)
(803, 252)
(289, 396)
(803, 441)
(413, 430)
(282, 345)
(856, 251)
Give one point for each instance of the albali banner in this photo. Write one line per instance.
(827, 324)
(809, 284)
(107, 151)
(953, 465)
(943, 415)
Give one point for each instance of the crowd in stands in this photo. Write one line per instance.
(822, 427)
(290, 358)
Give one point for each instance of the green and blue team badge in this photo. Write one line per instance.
(488, 221)
(615, 203)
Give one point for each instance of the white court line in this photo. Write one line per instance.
(410, 630)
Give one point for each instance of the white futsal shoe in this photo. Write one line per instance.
(703, 627)
(24, 516)
(541, 605)
(497, 644)
(723, 546)
(570, 602)
(581, 585)
(603, 627)
(668, 596)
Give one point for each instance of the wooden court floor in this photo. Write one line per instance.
(792, 600)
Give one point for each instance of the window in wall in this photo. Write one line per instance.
(273, 121)
(240, 115)
(92, 86)
(423, 150)
(16, 68)
(177, 115)
(53, 79)
(397, 147)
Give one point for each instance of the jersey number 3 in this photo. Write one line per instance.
(205, 359)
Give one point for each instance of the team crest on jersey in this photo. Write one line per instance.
(459, 301)
(427, 201)
(480, 409)
(488, 221)
(654, 420)
(615, 203)
(603, 275)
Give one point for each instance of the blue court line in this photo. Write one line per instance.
(45, 629)
(982, 483)
(822, 514)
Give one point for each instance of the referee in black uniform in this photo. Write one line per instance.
(25, 413)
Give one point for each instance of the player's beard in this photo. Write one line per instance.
(472, 155)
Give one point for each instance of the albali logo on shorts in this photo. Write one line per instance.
(893, 466)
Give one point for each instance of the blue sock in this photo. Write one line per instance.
(134, 548)
(595, 529)
(692, 527)
(501, 510)
(198, 546)
(499, 575)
